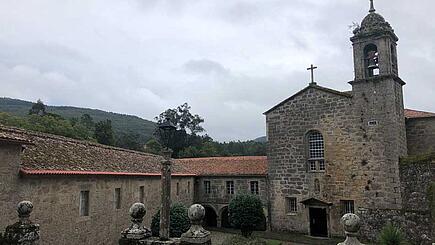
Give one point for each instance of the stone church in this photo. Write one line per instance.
(333, 152)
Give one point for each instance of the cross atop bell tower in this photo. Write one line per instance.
(372, 7)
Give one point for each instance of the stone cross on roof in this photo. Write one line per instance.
(312, 68)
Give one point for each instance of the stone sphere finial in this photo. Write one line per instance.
(351, 223)
(24, 209)
(196, 213)
(137, 210)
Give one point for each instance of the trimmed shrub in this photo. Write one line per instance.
(246, 212)
(179, 221)
(391, 235)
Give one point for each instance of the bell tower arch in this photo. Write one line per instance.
(374, 45)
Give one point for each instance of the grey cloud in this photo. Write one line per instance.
(204, 66)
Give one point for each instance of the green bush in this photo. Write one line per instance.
(246, 212)
(391, 235)
(240, 240)
(179, 221)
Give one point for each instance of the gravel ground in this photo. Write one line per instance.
(218, 237)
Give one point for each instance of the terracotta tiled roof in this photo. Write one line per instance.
(51, 154)
(418, 114)
(225, 166)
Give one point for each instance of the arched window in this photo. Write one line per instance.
(316, 151)
(371, 56)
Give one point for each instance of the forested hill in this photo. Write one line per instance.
(122, 124)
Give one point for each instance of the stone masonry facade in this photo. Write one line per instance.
(420, 133)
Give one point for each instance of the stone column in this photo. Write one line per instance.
(196, 235)
(351, 224)
(24, 232)
(166, 196)
(136, 233)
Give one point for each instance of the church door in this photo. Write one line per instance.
(318, 222)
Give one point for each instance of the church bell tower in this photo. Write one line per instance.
(374, 44)
(378, 107)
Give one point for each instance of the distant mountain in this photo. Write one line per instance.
(262, 139)
(122, 124)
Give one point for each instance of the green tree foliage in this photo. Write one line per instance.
(246, 212)
(129, 141)
(38, 108)
(104, 132)
(391, 235)
(87, 121)
(179, 221)
(183, 119)
(121, 124)
(153, 147)
(47, 124)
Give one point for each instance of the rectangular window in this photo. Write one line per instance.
(230, 187)
(312, 165)
(292, 205)
(188, 187)
(322, 166)
(117, 198)
(178, 189)
(254, 187)
(84, 203)
(142, 194)
(207, 187)
(348, 206)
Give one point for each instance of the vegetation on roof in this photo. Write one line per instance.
(418, 159)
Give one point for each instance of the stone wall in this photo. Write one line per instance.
(56, 204)
(420, 134)
(417, 216)
(9, 183)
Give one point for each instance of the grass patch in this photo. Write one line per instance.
(273, 242)
(418, 159)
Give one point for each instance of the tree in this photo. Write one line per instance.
(183, 119)
(129, 141)
(38, 108)
(87, 121)
(153, 147)
(246, 212)
(104, 132)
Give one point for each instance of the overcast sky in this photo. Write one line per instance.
(230, 60)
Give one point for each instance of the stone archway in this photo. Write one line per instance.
(210, 219)
(225, 218)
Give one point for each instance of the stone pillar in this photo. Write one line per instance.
(166, 196)
(351, 224)
(196, 235)
(136, 233)
(24, 232)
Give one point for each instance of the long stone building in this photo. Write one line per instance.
(333, 152)
(82, 190)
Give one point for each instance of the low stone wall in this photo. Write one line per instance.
(417, 217)
(416, 225)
